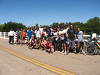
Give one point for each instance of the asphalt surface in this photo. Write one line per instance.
(11, 65)
(76, 63)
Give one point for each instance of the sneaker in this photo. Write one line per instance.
(62, 51)
(65, 52)
(44, 51)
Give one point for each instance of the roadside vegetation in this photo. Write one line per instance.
(91, 26)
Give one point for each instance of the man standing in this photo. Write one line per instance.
(71, 37)
(11, 36)
(29, 34)
(18, 33)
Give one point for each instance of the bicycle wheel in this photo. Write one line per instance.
(91, 50)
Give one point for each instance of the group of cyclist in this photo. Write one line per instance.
(50, 40)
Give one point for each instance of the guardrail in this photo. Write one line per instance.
(4, 35)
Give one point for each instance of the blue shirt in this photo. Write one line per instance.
(49, 32)
(29, 33)
(79, 35)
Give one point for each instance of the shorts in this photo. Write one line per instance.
(67, 42)
(62, 41)
(80, 43)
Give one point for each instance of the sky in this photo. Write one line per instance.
(46, 12)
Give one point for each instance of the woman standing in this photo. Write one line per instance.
(80, 39)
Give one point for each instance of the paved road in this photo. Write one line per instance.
(78, 64)
(11, 65)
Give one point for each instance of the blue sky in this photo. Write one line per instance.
(45, 12)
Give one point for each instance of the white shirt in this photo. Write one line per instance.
(65, 30)
(94, 35)
(61, 32)
(45, 33)
(41, 30)
(11, 33)
(38, 33)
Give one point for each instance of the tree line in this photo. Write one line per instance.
(91, 26)
(6, 27)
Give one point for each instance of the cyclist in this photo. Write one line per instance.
(71, 37)
(80, 40)
(11, 36)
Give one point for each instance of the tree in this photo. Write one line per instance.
(93, 25)
(1, 27)
(12, 25)
(79, 24)
(54, 25)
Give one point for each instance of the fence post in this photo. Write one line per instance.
(0, 34)
(4, 35)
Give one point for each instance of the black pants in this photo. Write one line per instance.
(55, 46)
(18, 40)
(11, 39)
